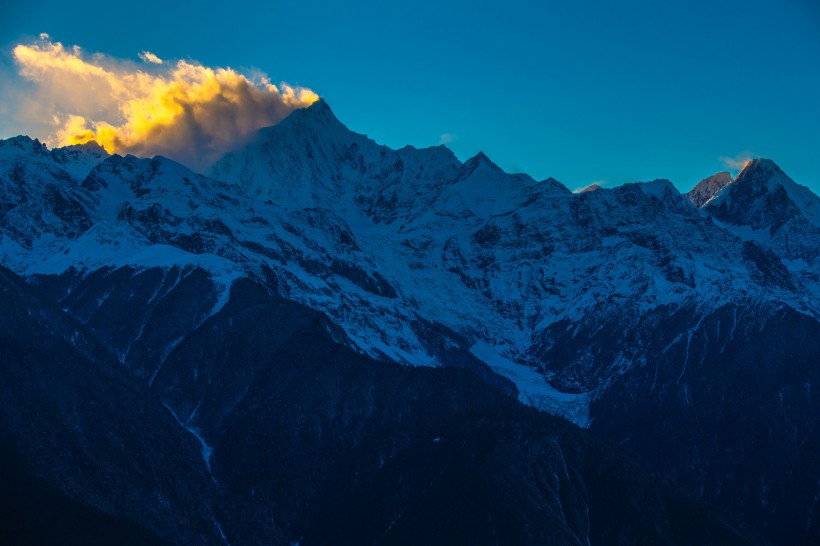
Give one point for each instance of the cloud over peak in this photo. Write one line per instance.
(739, 161)
(183, 110)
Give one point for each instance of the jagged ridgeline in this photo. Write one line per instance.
(325, 340)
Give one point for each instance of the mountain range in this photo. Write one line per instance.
(325, 340)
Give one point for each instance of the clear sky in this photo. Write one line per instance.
(584, 91)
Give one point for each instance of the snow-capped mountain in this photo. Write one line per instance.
(389, 242)
(766, 206)
(602, 306)
(501, 259)
(764, 197)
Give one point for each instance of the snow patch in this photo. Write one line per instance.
(207, 451)
(533, 388)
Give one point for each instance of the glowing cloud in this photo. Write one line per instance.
(149, 57)
(185, 111)
(739, 161)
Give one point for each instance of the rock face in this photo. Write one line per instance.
(591, 187)
(708, 187)
(684, 331)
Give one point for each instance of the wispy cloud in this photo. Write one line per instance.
(182, 110)
(737, 162)
(446, 138)
(149, 57)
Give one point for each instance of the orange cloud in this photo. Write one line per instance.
(185, 111)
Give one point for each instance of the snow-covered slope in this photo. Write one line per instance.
(40, 197)
(411, 252)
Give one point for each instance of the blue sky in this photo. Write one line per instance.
(581, 91)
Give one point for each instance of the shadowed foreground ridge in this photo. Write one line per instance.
(326, 446)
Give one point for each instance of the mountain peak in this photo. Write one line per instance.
(91, 147)
(317, 117)
(480, 159)
(660, 188)
(761, 165)
(79, 159)
(591, 187)
(551, 182)
(707, 188)
(23, 144)
(765, 175)
(762, 196)
(318, 110)
(320, 106)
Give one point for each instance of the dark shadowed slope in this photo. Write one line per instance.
(75, 418)
(313, 442)
(32, 512)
